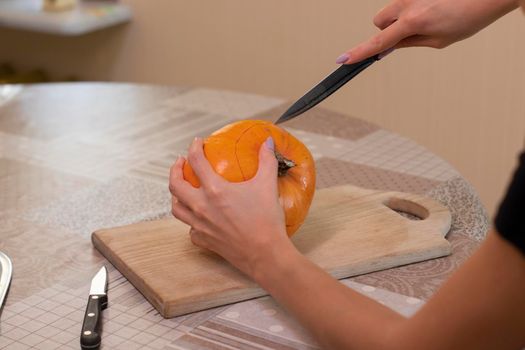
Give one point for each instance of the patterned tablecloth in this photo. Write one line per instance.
(78, 157)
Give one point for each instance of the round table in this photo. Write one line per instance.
(78, 157)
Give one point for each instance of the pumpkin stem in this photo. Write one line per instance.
(284, 164)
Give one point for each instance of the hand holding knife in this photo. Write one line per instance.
(90, 337)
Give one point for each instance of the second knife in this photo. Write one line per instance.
(90, 336)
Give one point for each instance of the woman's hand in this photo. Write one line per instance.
(242, 222)
(431, 23)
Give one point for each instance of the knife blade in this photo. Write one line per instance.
(6, 272)
(90, 336)
(326, 87)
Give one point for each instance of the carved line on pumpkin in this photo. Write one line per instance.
(237, 142)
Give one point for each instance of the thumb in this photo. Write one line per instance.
(382, 41)
(267, 162)
(421, 40)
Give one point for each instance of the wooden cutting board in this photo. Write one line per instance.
(349, 231)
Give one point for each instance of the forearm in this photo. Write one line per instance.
(337, 316)
(509, 5)
(465, 18)
(482, 306)
(498, 6)
(487, 11)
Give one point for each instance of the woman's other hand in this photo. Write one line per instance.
(431, 23)
(243, 222)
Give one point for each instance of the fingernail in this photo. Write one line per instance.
(269, 143)
(343, 58)
(385, 53)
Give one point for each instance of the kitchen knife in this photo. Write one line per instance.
(6, 271)
(90, 337)
(328, 86)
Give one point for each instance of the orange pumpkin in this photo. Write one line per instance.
(233, 152)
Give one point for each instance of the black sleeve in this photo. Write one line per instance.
(510, 220)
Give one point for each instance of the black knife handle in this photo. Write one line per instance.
(90, 337)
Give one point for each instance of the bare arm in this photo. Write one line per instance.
(481, 307)
(431, 23)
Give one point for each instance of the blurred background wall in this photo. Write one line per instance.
(465, 103)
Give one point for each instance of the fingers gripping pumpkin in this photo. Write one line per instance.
(233, 152)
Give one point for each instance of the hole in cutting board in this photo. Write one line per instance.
(408, 215)
(407, 209)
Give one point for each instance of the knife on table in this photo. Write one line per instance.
(90, 337)
(328, 86)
